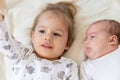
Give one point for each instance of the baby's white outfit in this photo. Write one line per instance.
(104, 68)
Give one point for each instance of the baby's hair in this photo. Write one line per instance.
(114, 27)
(65, 9)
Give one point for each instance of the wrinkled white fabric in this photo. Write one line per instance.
(104, 68)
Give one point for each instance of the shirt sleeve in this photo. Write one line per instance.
(9, 47)
(73, 72)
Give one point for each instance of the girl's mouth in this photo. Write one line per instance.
(47, 46)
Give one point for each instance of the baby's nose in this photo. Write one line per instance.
(86, 41)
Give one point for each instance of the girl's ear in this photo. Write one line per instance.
(32, 36)
(113, 40)
(67, 47)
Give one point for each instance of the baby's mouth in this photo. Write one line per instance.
(88, 49)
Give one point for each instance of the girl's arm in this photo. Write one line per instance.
(11, 48)
(2, 7)
(3, 4)
(73, 72)
(1, 17)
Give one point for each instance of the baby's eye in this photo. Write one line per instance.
(42, 31)
(57, 34)
(91, 37)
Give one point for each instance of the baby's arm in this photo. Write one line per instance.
(11, 48)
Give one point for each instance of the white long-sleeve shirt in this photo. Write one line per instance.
(23, 64)
(104, 68)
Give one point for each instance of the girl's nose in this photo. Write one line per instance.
(48, 38)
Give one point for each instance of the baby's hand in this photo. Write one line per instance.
(1, 16)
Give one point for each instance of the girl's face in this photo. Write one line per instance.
(97, 40)
(50, 36)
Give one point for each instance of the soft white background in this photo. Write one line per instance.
(22, 13)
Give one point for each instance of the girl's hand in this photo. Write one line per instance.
(3, 6)
(1, 16)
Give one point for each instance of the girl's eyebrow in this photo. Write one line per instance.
(56, 29)
(41, 26)
(59, 30)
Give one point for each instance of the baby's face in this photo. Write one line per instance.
(50, 36)
(97, 40)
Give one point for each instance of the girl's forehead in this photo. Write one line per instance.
(50, 20)
(50, 15)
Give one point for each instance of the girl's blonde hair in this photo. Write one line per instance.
(66, 9)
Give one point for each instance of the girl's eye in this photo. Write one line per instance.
(41, 31)
(57, 34)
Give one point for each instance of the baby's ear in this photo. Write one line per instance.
(113, 40)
